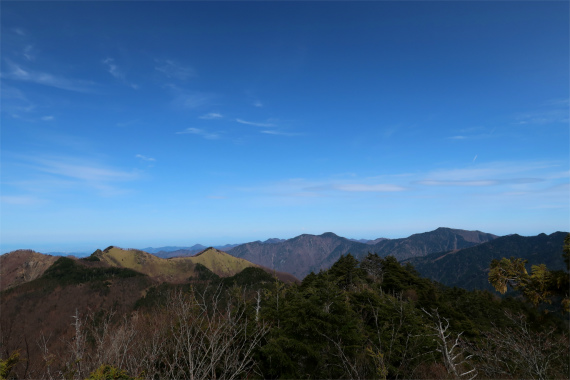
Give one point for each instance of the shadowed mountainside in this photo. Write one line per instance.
(440, 240)
(302, 254)
(468, 268)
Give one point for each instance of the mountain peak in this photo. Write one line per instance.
(207, 251)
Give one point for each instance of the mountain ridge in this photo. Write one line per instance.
(311, 253)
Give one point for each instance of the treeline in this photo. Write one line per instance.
(374, 319)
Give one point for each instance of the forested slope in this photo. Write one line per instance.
(370, 319)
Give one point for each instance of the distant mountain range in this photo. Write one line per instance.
(311, 253)
(453, 257)
(173, 251)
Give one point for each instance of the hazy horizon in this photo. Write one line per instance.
(88, 248)
(143, 124)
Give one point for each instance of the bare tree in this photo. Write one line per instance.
(521, 352)
(450, 348)
(208, 340)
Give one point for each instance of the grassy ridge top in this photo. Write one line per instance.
(175, 269)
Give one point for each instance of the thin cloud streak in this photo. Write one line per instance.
(19, 73)
(28, 52)
(359, 187)
(279, 133)
(113, 69)
(172, 69)
(19, 31)
(52, 176)
(211, 116)
(255, 124)
(459, 183)
(83, 172)
(199, 132)
(145, 158)
(496, 178)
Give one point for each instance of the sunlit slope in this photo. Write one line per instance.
(176, 269)
(218, 262)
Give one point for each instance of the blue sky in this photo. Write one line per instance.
(148, 124)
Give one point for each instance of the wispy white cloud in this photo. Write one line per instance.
(430, 182)
(48, 118)
(211, 116)
(327, 188)
(491, 174)
(493, 169)
(361, 187)
(10, 93)
(183, 98)
(194, 99)
(253, 99)
(550, 112)
(280, 133)
(114, 70)
(492, 180)
(550, 117)
(175, 70)
(14, 102)
(199, 132)
(89, 172)
(19, 73)
(29, 52)
(19, 31)
(145, 158)
(255, 124)
(53, 175)
(470, 134)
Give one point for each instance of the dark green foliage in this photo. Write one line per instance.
(346, 272)
(93, 256)
(366, 320)
(249, 277)
(202, 273)
(155, 296)
(311, 323)
(566, 250)
(67, 271)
